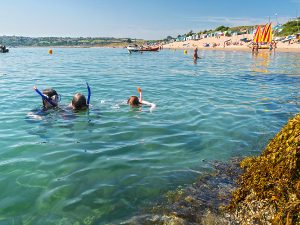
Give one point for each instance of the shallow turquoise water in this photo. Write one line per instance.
(103, 166)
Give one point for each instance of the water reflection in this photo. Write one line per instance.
(261, 61)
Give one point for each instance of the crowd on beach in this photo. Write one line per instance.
(240, 42)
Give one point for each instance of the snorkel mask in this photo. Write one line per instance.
(53, 100)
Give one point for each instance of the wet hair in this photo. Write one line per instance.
(133, 101)
(52, 94)
(79, 101)
(49, 92)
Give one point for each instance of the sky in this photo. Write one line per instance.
(146, 19)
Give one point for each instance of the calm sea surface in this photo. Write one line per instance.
(103, 166)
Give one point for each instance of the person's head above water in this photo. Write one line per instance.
(52, 96)
(79, 102)
(133, 101)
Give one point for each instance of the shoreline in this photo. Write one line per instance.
(229, 44)
(233, 49)
(227, 49)
(66, 47)
(187, 45)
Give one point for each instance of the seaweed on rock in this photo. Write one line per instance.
(268, 190)
(195, 204)
(272, 180)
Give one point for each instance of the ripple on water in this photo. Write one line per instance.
(103, 166)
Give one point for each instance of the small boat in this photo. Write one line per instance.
(149, 49)
(263, 37)
(3, 49)
(263, 47)
(133, 48)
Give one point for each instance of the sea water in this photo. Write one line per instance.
(105, 165)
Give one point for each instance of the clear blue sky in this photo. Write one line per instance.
(147, 19)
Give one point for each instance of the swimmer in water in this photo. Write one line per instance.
(134, 101)
(79, 102)
(49, 96)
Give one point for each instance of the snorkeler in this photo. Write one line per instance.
(49, 96)
(79, 102)
(50, 99)
(134, 101)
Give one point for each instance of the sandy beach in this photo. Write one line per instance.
(236, 44)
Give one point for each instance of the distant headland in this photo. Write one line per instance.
(20, 41)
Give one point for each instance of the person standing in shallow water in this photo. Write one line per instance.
(195, 57)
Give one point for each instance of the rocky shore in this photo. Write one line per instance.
(264, 189)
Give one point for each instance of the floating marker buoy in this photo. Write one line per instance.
(185, 52)
(50, 51)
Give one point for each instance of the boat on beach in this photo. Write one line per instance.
(3, 49)
(264, 37)
(136, 48)
(149, 49)
(133, 48)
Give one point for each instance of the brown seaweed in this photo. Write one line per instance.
(273, 178)
(267, 191)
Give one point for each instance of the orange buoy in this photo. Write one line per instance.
(50, 51)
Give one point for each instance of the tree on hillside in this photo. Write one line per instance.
(222, 28)
(129, 40)
(291, 27)
(190, 33)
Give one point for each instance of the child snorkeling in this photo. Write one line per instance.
(49, 96)
(79, 102)
(50, 99)
(134, 101)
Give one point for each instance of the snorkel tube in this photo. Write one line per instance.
(89, 95)
(45, 97)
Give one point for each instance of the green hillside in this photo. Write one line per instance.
(18, 41)
(291, 27)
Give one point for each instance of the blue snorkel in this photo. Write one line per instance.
(44, 97)
(89, 95)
